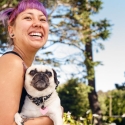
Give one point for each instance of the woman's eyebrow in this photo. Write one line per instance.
(32, 14)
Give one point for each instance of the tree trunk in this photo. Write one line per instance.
(93, 97)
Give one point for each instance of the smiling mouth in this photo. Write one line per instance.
(36, 34)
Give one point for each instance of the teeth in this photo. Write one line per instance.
(36, 34)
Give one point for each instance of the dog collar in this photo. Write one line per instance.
(39, 100)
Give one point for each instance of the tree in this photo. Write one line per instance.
(3, 34)
(102, 96)
(117, 102)
(80, 31)
(74, 97)
(120, 87)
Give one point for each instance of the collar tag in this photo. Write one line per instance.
(44, 110)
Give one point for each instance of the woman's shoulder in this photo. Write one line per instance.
(11, 61)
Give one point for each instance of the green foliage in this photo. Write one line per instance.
(90, 119)
(102, 98)
(3, 31)
(68, 119)
(90, 70)
(74, 97)
(3, 35)
(118, 103)
(117, 107)
(115, 99)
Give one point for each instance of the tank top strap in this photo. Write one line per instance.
(13, 52)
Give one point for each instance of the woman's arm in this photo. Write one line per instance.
(11, 84)
(37, 121)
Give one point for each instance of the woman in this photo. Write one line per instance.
(28, 31)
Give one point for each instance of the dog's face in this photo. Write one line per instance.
(40, 80)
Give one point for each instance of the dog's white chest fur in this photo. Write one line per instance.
(35, 76)
(31, 110)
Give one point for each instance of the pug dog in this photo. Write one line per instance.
(41, 99)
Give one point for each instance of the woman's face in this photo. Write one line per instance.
(30, 29)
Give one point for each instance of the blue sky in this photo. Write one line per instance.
(113, 57)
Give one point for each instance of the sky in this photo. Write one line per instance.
(113, 57)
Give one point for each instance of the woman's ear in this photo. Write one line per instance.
(10, 31)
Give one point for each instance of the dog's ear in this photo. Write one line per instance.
(33, 72)
(55, 77)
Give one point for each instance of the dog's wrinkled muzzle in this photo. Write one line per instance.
(40, 81)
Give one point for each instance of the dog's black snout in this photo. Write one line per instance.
(40, 81)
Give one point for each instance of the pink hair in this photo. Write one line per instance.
(10, 14)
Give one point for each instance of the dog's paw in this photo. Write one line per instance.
(18, 119)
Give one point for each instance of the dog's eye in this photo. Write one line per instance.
(33, 72)
(48, 73)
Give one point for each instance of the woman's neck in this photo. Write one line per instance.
(27, 57)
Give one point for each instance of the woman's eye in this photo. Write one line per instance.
(28, 18)
(43, 20)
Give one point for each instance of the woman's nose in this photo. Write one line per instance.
(37, 23)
